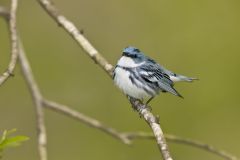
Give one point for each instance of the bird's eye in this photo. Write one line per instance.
(125, 54)
(136, 50)
(132, 55)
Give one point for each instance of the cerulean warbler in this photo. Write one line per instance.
(140, 77)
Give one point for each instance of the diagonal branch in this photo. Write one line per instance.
(85, 119)
(71, 29)
(12, 19)
(145, 112)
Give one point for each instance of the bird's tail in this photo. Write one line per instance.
(178, 78)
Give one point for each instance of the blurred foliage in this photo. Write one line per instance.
(193, 38)
(10, 141)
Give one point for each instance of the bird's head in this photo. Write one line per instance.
(133, 57)
(133, 53)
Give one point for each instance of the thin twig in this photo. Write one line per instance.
(13, 38)
(85, 119)
(201, 145)
(185, 141)
(37, 98)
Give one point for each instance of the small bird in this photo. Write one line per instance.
(140, 77)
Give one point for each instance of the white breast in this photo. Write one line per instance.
(123, 81)
(128, 62)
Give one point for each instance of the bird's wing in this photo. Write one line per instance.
(153, 72)
(177, 77)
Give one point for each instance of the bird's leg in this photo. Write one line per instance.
(131, 99)
(134, 102)
(149, 100)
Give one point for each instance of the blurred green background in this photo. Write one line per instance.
(194, 38)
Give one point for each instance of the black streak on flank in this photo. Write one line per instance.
(132, 79)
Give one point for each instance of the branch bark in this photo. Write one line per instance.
(12, 19)
(37, 98)
(72, 30)
(145, 112)
(86, 120)
(185, 141)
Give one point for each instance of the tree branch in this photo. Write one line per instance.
(185, 141)
(71, 29)
(37, 98)
(145, 112)
(12, 19)
(201, 145)
(85, 119)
